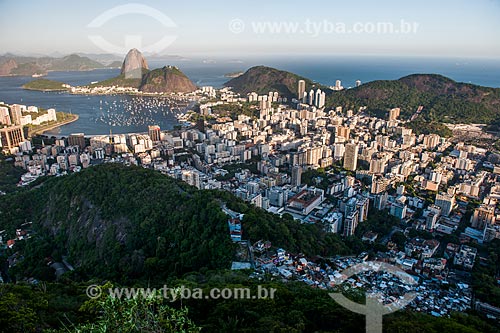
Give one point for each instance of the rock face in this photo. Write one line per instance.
(168, 79)
(7, 67)
(133, 64)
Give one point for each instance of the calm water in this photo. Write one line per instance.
(122, 114)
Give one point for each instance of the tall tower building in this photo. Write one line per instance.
(296, 175)
(322, 100)
(394, 113)
(16, 113)
(351, 156)
(317, 97)
(310, 100)
(446, 202)
(154, 132)
(301, 89)
(350, 223)
(483, 216)
(77, 139)
(11, 137)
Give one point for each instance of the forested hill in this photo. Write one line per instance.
(443, 99)
(113, 221)
(137, 227)
(262, 80)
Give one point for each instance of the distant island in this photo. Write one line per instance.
(12, 65)
(233, 74)
(46, 85)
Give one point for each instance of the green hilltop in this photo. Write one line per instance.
(45, 85)
(263, 79)
(443, 99)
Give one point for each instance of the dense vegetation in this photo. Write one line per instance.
(133, 222)
(137, 227)
(297, 307)
(486, 286)
(168, 79)
(420, 126)
(262, 80)
(233, 110)
(133, 81)
(44, 85)
(124, 222)
(9, 174)
(443, 99)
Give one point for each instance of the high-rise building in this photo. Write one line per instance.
(154, 132)
(296, 175)
(5, 116)
(310, 100)
(77, 139)
(350, 223)
(313, 155)
(398, 210)
(378, 165)
(317, 97)
(351, 156)
(432, 217)
(11, 137)
(301, 89)
(431, 141)
(338, 151)
(16, 112)
(380, 200)
(483, 216)
(446, 202)
(379, 185)
(343, 131)
(394, 113)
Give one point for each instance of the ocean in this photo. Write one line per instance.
(125, 114)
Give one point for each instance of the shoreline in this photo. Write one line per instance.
(174, 96)
(45, 90)
(44, 129)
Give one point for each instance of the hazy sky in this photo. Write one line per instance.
(462, 28)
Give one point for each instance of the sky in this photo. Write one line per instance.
(441, 28)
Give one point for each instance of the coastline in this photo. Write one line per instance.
(45, 90)
(43, 129)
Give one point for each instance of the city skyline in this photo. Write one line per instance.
(440, 29)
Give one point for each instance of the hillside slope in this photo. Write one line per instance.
(262, 80)
(114, 222)
(168, 79)
(16, 65)
(120, 222)
(442, 98)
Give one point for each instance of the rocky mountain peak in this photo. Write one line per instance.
(133, 64)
